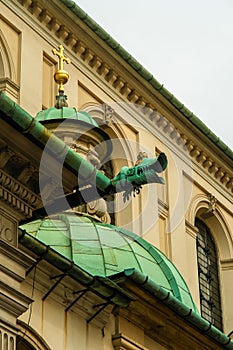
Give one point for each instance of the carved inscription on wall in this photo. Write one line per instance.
(8, 229)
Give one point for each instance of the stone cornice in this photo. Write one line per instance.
(17, 192)
(16, 195)
(10, 253)
(10, 88)
(11, 300)
(129, 89)
(121, 342)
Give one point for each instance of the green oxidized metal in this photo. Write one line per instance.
(107, 250)
(131, 179)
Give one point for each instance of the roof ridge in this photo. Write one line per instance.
(111, 42)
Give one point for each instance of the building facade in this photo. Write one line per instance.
(144, 269)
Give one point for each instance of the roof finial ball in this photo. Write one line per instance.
(61, 77)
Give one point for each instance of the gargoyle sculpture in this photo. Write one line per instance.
(131, 179)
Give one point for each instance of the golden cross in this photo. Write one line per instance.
(61, 56)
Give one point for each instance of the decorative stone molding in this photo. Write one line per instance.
(10, 88)
(98, 209)
(26, 174)
(18, 196)
(227, 264)
(7, 337)
(109, 114)
(15, 164)
(191, 230)
(8, 229)
(212, 201)
(5, 155)
(129, 92)
(8, 83)
(205, 207)
(13, 266)
(210, 166)
(200, 201)
(13, 303)
(121, 342)
(102, 114)
(163, 209)
(79, 147)
(50, 190)
(31, 336)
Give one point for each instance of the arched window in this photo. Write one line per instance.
(29, 339)
(207, 261)
(2, 73)
(22, 344)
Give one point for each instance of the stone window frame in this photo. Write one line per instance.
(208, 275)
(29, 338)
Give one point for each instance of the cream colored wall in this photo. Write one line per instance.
(48, 84)
(166, 227)
(10, 43)
(152, 345)
(68, 330)
(60, 329)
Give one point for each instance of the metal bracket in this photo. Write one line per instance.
(37, 261)
(61, 276)
(34, 265)
(102, 307)
(81, 294)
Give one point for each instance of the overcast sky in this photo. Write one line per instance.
(186, 45)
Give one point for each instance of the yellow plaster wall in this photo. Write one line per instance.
(130, 330)
(11, 43)
(28, 51)
(64, 330)
(85, 96)
(48, 84)
(152, 345)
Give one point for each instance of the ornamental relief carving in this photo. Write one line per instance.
(8, 229)
(17, 189)
(18, 197)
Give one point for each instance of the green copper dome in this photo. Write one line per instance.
(54, 113)
(105, 250)
(79, 127)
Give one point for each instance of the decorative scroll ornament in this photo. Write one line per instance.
(108, 114)
(211, 206)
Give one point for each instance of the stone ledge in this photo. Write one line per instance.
(121, 342)
(10, 88)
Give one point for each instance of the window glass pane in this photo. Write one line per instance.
(208, 275)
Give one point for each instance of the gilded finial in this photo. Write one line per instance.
(61, 76)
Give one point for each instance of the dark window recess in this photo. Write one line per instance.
(207, 261)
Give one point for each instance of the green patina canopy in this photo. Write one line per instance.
(105, 250)
(68, 121)
(63, 113)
